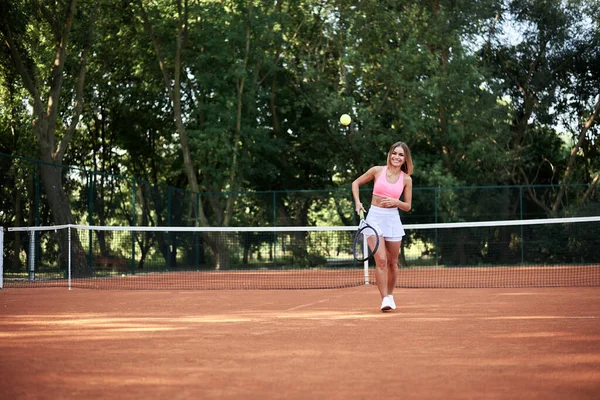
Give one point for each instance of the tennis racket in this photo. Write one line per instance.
(366, 241)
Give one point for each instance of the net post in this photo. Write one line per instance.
(1, 257)
(32, 255)
(366, 262)
(69, 255)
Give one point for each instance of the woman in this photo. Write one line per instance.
(391, 181)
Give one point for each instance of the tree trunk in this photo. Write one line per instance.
(574, 152)
(174, 90)
(50, 149)
(61, 213)
(238, 123)
(16, 261)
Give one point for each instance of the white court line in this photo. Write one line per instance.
(306, 305)
(545, 317)
(322, 301)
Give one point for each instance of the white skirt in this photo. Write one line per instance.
(386, 222)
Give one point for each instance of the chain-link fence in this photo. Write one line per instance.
(98, 198)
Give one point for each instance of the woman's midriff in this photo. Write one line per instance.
(376, 201)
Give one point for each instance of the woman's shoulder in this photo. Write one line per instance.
(376, 170)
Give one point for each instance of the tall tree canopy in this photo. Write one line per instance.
(239, 96)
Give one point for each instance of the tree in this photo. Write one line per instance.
(21, 26)
(547, 73)
(173, 83)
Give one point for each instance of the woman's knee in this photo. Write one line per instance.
(391, 264)
(380, 262)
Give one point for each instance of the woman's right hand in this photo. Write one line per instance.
(359, 208)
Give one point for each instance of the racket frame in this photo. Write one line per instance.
(364, 225)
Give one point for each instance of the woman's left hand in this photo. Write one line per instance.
(388, 202)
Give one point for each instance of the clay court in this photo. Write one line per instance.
(525, 343)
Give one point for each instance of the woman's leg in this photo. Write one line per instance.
(392, 251)
(381, 270)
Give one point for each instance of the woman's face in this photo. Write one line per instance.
(397, 157)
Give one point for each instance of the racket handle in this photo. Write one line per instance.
(362, 214)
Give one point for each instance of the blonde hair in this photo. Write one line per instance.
(407, 166)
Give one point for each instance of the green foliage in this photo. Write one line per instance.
(485, 93)
(542, 74)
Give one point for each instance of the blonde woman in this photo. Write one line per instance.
(392, 181)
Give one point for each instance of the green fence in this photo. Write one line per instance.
(98, 198)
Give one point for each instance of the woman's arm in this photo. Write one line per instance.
(406, 205)
(361, 180)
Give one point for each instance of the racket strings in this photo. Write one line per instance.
(365, 243)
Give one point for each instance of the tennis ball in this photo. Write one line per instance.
(345, 119)
(122, 275)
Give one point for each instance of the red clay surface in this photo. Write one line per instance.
(535, 343)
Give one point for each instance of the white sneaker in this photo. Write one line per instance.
(392, 302)
(386, 305)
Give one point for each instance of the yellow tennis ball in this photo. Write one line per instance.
(345, 119)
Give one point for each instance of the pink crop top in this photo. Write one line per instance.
(383, 188)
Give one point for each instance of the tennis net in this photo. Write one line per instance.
(514, 253)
